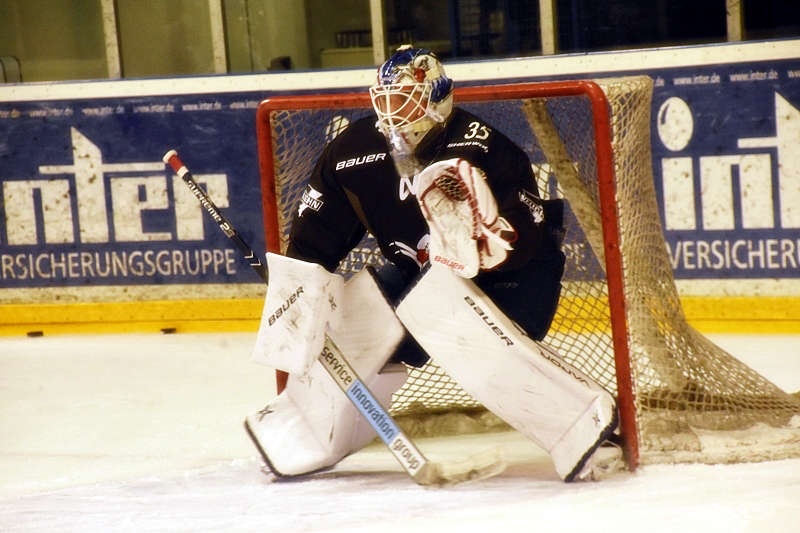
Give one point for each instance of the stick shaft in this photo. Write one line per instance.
(404, 450)
(172, 159)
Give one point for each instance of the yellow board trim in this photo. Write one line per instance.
(776, 315)
(242, 314)
(738, 314)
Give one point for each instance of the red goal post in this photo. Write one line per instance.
(619, 319)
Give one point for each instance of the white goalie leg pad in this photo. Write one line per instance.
(523, 382)
(312, 425)
(300, 306)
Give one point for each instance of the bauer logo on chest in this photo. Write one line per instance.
(360, 160)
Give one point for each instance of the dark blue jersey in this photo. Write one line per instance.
(355, 188)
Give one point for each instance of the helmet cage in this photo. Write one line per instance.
(401, 105)
(412, 94)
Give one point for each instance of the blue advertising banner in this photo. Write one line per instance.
(87, 201)
(726, 166)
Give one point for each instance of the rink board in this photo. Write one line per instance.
(91, 216)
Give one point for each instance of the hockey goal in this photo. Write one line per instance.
(681, 398)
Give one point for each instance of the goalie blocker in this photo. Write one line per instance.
(522, 381)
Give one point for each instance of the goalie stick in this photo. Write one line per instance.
(422, 470)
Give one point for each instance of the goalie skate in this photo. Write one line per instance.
(604, 462)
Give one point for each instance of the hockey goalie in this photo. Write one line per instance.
(472, 280)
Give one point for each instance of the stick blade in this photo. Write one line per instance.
(482, 465)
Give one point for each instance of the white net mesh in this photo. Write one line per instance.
(685, 388)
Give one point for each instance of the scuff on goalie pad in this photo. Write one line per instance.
(523, 382)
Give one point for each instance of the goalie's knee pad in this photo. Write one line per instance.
(311, 425)
(523, 382)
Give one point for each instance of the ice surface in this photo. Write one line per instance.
(143, 433)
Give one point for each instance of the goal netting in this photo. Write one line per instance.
(681, 398)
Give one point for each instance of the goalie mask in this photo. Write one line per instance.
(411, 96)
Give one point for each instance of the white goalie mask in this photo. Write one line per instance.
(411, 96)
